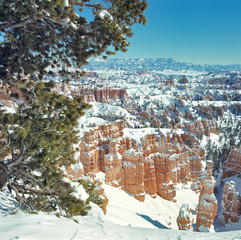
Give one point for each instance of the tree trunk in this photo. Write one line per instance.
(3, 176)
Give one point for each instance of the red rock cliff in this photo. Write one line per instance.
(104, 95)
(230, 206)
(232, 166)
(154, 167)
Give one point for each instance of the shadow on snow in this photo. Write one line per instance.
(153, 222)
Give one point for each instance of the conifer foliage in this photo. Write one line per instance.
(36, 34)
(38, 37)
(39, 140)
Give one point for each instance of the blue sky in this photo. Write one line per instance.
(197, 31)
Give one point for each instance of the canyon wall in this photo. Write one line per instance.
(231, 202)
(232, 166)
(104, 95)
(153, 166)
(230, 206)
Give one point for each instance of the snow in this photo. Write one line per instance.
(104, 14)
(219, 222)
(126, 218)
(138, 133)
(79, 191)
(66, 3)
(125, 210)
(76, 167)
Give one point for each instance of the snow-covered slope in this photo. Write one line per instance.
(148, 220)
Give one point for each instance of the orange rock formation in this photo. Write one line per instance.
(232, 166)
(155, 166)
(207, 207)
(184, 219)
(100, 95)
(230, 206)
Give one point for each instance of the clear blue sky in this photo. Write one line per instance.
(197, 31)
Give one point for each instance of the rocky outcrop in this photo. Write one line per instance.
(75, 171)
(210, 127)
(210, 112)
(134, 173)
(183, 80)
(165, 185)
(185, 219)
(202, 127)
(8, 103)
(104, 95)
(188, 115)
(207, 207)
(150, 177)
(7, 95)
(232, 166)
(155, 166)
(230, 206)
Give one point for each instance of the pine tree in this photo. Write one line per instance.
(38, 37)
(39, 138)
(209, 150)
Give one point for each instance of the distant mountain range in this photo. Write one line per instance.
(156, 64)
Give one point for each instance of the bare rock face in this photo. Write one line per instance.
(103, 95)
(189, 116)
(155, 166)
(165, 187)
(75, 171)
(183, 80)
(134, 173)
(202, 127)
(230, 206)
(96, 144)
(184, 219)
(189, 138)
(210, 127)
(196, 159)
(207, 207)
(150, 177)
(232, 166)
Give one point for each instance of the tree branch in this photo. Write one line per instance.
(29, 190)
(23, 23)
(22, 200)
(20, 159)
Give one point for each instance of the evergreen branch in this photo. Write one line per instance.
(59, 23)
(28, 176)
(20, 159)
(89, 5)
(28, 190)
(21, 199)
(23, 23)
